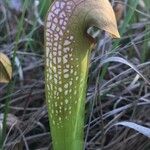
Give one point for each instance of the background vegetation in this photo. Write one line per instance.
(118, 94)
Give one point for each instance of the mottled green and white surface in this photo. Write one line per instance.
(67, 59)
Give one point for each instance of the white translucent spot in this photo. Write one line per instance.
(53, 122)
(56, 11)
(49, 101)
(49, 45)
(54, 60)
(67, 66)
(70, 82)
(66, 49)
(59, 53)
(66, 92)
(55, 48)
(62, 4)
(77, 78)
(56, 104)
(69, 112)
(48, 88)
(64, 23)
(65, 59)
(66, 76)
(59, 59)
(60, 89)
(66, 101)
(66, 85)
(55, 81)
(71, 37)
(54, 53)
(57, 4)
(48, 24)
(66, 19)
(47, 34)
(50, 55)
(52, 111)
(71, 71)
(75, 73)
(50, 15)
(53, 8)
(55, 20)
(62, 14)
(56, 75)
(56, 37)
(61, 33)
(65, 70)
(63, 27)
(59, 66)
(75, 92)
(67, 42)
(48, 39)
(53, 26)
(70, 55)
(68, 7)
(59, 72)
(59, 47)
(57, 29)
(61, 22)
(56, 44)
(51, 86)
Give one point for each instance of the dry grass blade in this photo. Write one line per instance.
(141, 129)
(122, 60)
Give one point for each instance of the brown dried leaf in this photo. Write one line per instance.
(5, 69)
